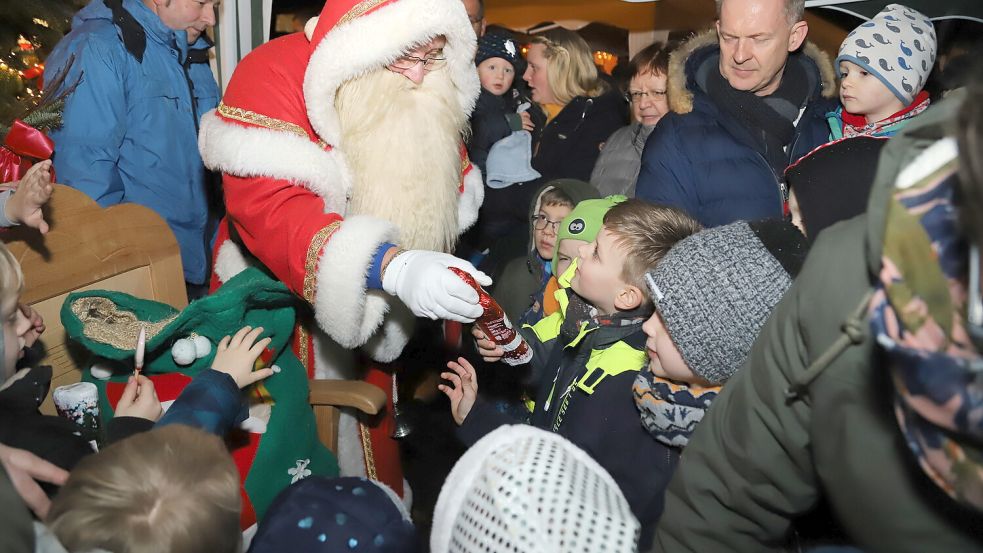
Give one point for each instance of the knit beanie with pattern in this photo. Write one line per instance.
(494, 45)
(521, 489)
(715, 289)
(897, 46)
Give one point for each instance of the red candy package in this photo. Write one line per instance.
(496, 325)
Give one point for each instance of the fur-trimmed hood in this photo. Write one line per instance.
(681, 72)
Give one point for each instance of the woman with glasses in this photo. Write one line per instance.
(617, 168)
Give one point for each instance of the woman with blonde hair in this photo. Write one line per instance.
(581, 109)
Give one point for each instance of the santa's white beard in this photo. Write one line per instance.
(402, 143)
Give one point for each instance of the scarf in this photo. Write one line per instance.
(769, 120)
(918, 316)
(856, 125)
(671, 410)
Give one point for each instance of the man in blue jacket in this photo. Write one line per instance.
(130, 130)
(746, 100)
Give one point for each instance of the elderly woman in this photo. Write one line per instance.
(617, 167)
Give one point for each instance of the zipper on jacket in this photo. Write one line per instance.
(191, 90)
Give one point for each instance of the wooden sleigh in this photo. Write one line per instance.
(128, 248)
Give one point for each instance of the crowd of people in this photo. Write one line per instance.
(746, 288)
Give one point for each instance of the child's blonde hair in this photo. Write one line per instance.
(571, 71)
(647, 232)
(11, 277)
(170, 489)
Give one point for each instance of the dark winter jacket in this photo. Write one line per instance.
(584, 370)
(130, 132)
(788, 430)
(701, 159)
(211, 402)
(569, 145)
(493, 119)
(52, 438)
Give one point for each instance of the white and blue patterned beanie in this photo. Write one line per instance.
(898, 46)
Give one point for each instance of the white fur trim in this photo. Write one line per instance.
(255, 151)
(377, 39)
(927, 162)
(388, 342)
(344, 309)
(229, 261)
(470, 200)
(351, 458)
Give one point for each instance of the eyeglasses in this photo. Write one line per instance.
(636, 96)
(409, 62)
(540, 222)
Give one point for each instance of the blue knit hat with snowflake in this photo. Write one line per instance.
(897, 46)
(494, 45)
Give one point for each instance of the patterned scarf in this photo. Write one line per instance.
(856, 125)
(918, 315)
(671, 410)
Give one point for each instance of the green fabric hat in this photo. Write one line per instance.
(107, 325)
(584, 222)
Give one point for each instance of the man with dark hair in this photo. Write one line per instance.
(746, 103)
(476, 13)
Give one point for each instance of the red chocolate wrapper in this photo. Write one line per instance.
(496, 325)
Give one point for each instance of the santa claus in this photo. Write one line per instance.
(345, 177)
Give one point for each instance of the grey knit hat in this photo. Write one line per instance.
(715, 289)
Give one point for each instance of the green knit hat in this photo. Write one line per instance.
(584, 222)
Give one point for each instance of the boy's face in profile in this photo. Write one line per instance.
(862, 93)
(600, 265)
(566, 253)
(664, 357)
(15, 327)
(544, 229)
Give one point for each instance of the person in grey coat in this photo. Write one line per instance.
(621, 155)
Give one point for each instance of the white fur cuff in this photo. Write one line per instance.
(343, 307)
(470, 200)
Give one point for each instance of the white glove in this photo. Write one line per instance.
(422, 280)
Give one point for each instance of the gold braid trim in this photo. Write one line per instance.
(304, 339)
(105, 322)
(359, 10)
(313, 252)
(260, 120)
(367, 449)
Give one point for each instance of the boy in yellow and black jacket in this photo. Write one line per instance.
(586, 357)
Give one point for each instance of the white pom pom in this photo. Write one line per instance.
(100, 371)
(203, 346)
(183, 352)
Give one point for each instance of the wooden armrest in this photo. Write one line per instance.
(348, 393)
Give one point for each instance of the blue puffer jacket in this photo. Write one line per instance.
(130, 128)
(700, 159)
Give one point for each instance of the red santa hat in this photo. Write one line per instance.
(353, 37)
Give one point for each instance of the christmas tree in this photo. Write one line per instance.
(29, 29)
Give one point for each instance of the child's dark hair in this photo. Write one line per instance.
(647, 232)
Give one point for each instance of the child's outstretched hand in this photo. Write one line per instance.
(237, 355)
(465, 389)
(489, 350)
(34, 190)
(139, 399)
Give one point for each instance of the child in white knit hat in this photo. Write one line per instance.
(883, 66)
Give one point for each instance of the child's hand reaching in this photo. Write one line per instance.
(465, 389)
(237, 355)
(139, 399)
(489, 350)
(24, 205)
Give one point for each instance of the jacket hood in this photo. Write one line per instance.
(896, 165)
(576, 190)
(686, 59)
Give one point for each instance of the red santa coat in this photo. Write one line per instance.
(287, 189)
